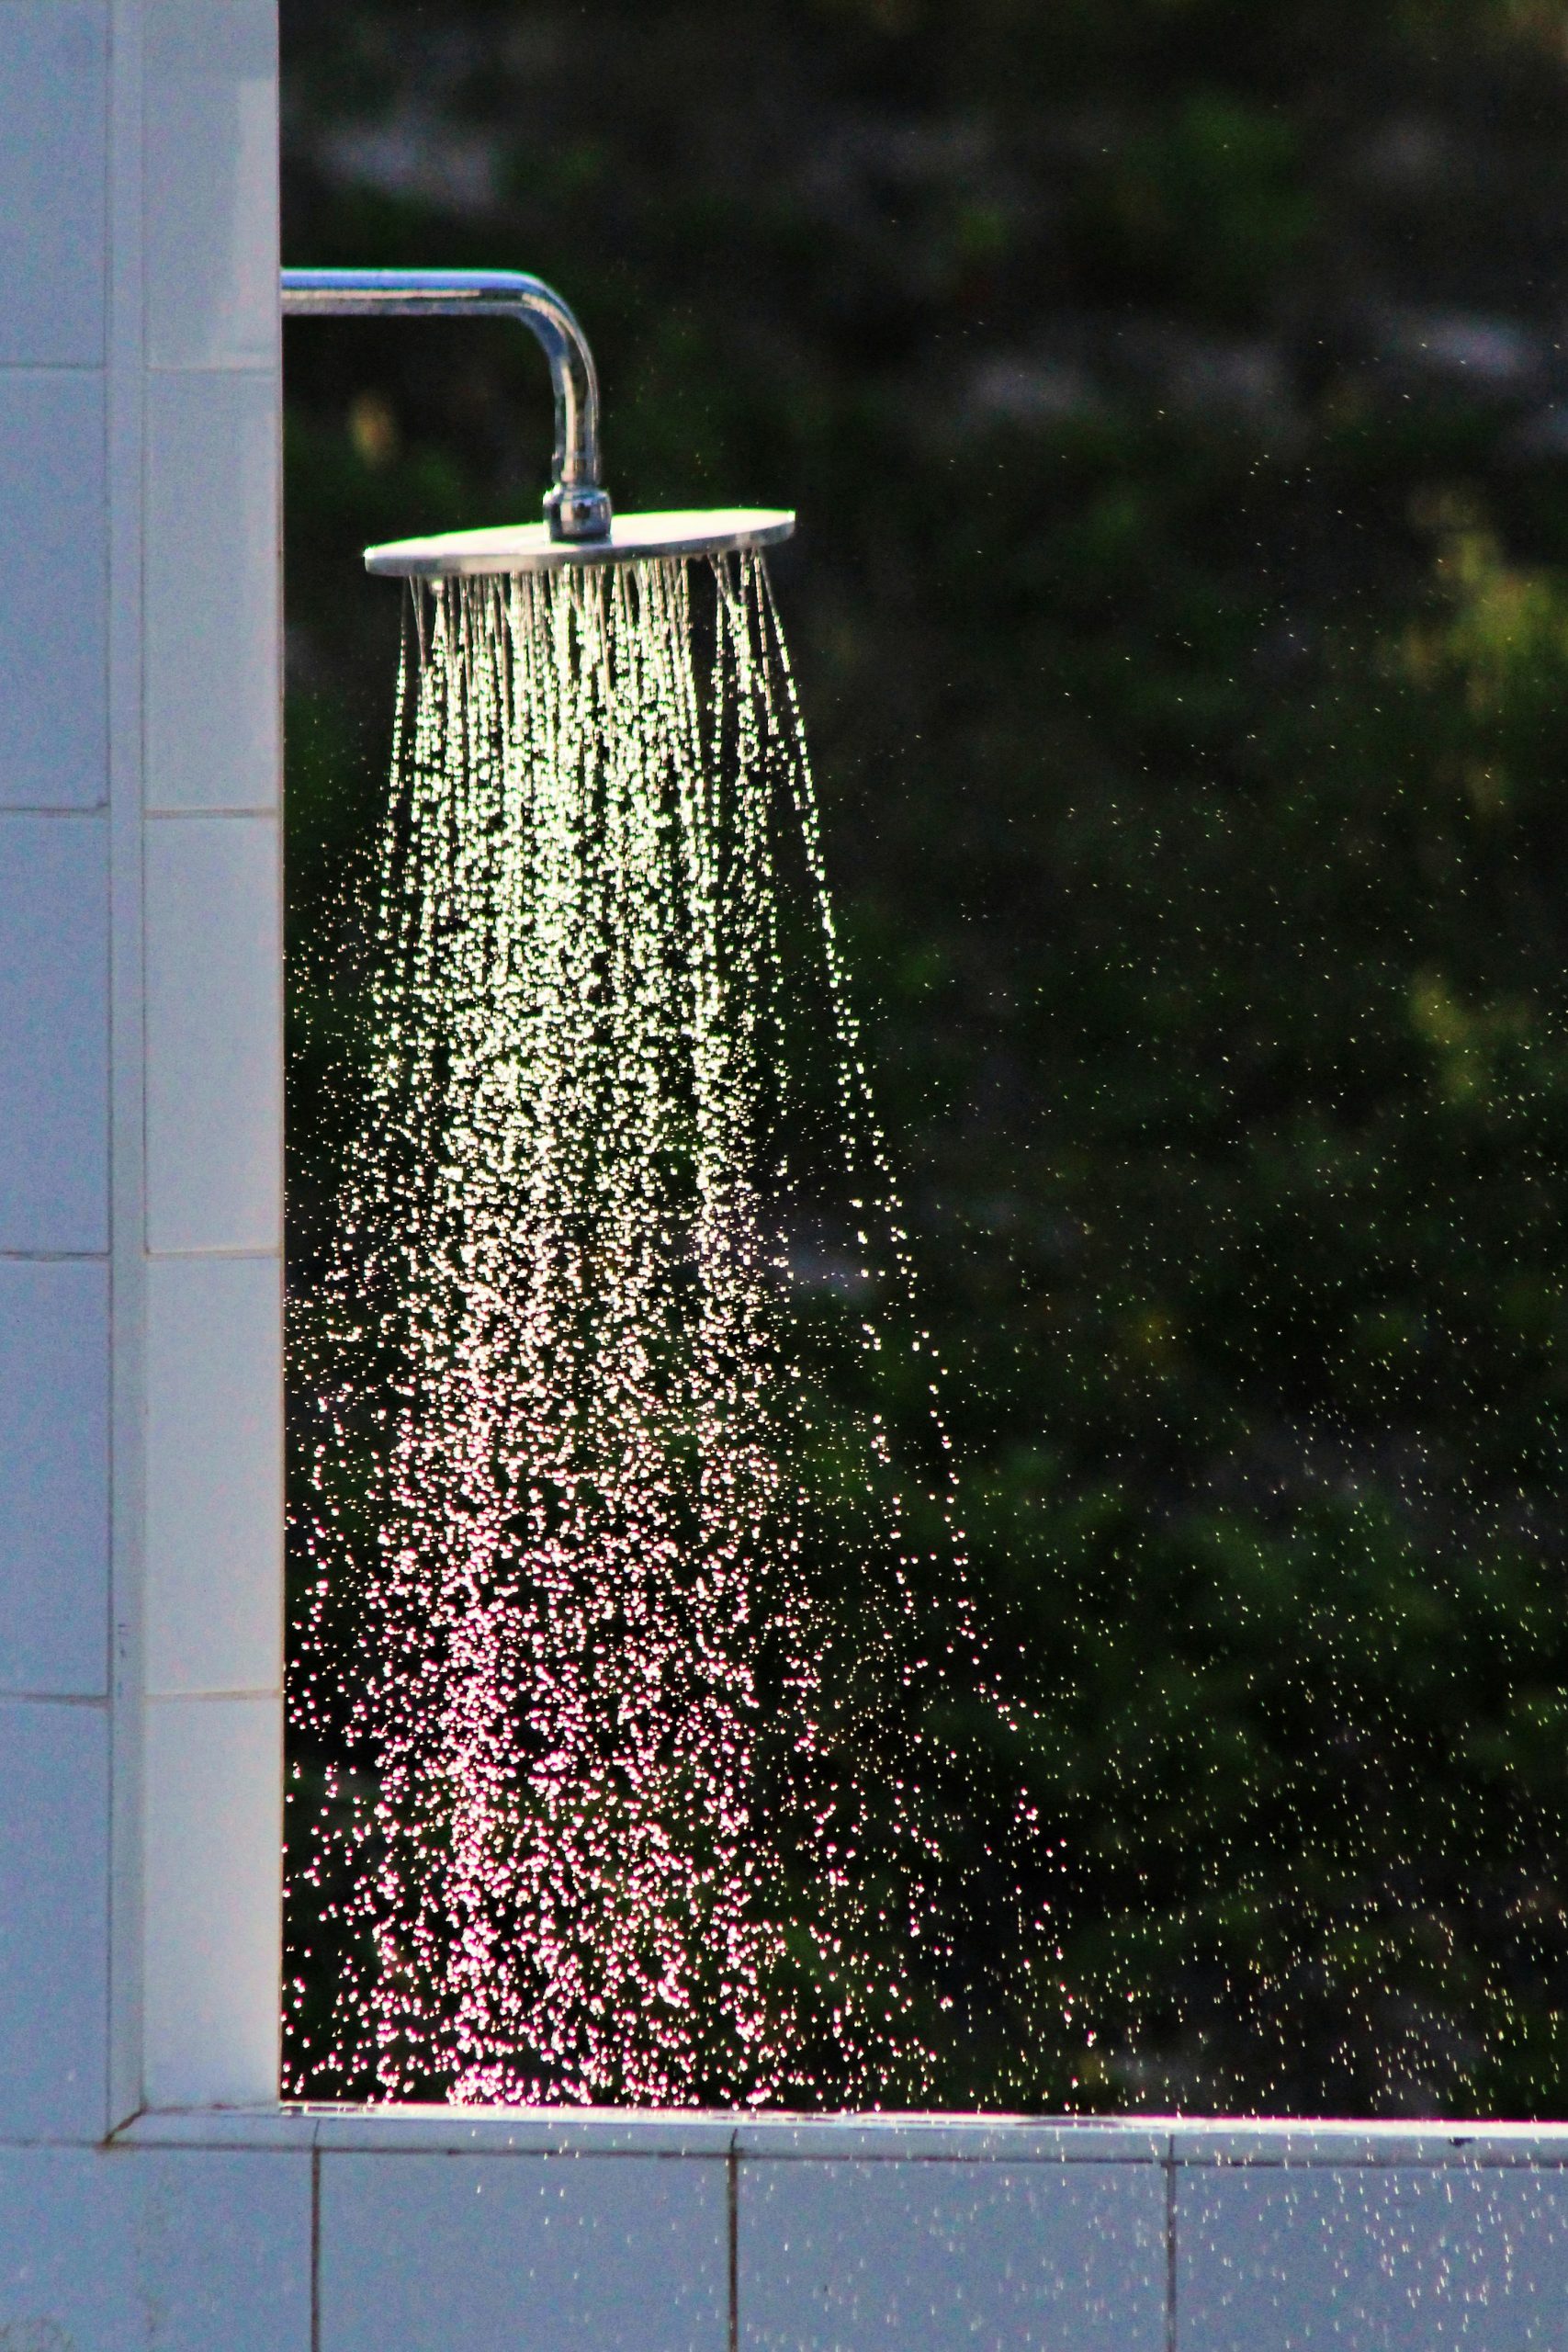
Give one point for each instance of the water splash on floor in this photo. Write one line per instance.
(635, 1625)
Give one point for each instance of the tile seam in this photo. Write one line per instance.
(263, 368)
(124, 194)
(56, 1257)
(236, 1252)
(732, 2221)
(1170, 2162)
(315, 2248)
(216, 1698)
(54, 1698)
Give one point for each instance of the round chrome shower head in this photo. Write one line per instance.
(528, 547)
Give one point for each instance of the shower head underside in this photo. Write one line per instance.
(579, 527)
(528, 547)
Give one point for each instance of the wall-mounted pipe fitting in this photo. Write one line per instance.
(576, 507)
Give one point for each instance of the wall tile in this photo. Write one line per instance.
(974, 2138)
(169, 2251)
(53, 561)
(527, 2132)
(53, 1034)
(214, 1616)
(54, 181)
(924, 2257)
(214, 1796)
(1386, 2260)
(54, 1481)
(214, 1045)
(1222, 2139)
(219, 2127)
(523, 2254)
(212, 183)
(212, 592)
(54, 1919)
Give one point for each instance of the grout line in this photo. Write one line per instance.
(18, 2143)
(73, 810)
(471, 2142)
(54, 1257)
(100, 1699)
(1170, 2343)
(907, 2156)
(184, 816)
(125, 453)
(315, 2250)
(732, 2186)
(236, 1254)
(180, 1698)
(1330, 2160)
(213, 367)
(228, 2145)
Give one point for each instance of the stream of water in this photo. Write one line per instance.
(633, 1685)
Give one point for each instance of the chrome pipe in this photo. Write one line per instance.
(576, 507)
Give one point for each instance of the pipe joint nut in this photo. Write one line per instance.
(576, 511)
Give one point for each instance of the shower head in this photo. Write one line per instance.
(528, 547)
(579, 527)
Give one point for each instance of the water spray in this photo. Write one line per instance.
(626, 1640)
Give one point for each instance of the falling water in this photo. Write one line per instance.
(634, 1626)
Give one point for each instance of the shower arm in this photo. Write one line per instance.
(576, 506)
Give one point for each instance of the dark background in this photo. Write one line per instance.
(1174, 398)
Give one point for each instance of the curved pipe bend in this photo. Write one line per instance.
(576, 506)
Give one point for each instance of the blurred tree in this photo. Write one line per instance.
(1174, 395)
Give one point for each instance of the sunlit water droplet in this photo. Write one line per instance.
(620, 1599)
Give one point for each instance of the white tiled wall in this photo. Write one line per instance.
(566, 2254)
(210, 1631)
(54, 1531)
(211, 118)
(54, 562)
(214, 1780)
(1386, 2255)
(879, 2256)
(54, 1033)
(212, 679)
(54, 1809)
(140, 1076)
(55, 1028)
(214, 338)
(512, 2233)
(215, 1476)
(214, 1037)
(164, 2251)
(54, 182)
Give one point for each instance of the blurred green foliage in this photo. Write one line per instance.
(1173, 394)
